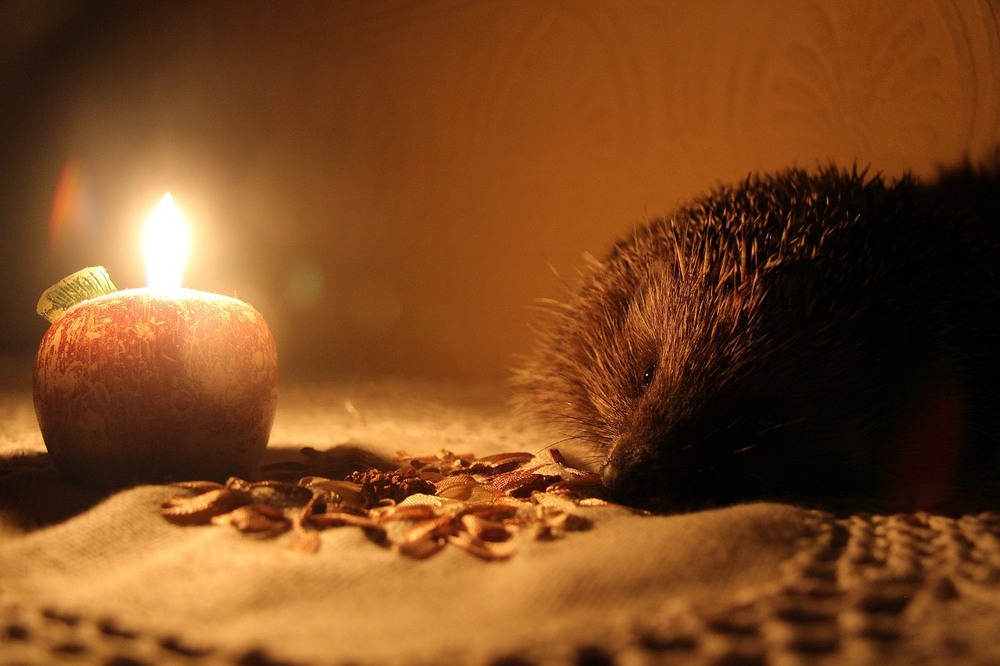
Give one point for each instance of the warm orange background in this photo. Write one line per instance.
(393, 183)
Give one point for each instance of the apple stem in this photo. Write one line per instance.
(72, 289)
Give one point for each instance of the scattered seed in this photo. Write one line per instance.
(280, 494)
(428, 502)
(486, 550)
(420, 550)
(340, 492)
(201, 508)
(198, 486)
(438, 526)
(406, 512)
(255, 519)
(501, 462)
(485, 529)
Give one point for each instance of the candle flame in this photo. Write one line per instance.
(166, 243)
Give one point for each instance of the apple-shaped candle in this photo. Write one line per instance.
(154, 384)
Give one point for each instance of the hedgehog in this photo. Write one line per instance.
(823, 336)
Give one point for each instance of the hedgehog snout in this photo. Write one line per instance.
(613, 470)
(611, 475)
(620, 480)
(632, 469)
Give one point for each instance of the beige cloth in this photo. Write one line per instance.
(760, 583)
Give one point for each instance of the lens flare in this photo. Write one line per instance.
(71, 207)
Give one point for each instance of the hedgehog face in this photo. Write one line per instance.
(728, 397)
(693, 394)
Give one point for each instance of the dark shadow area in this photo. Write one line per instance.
(290, 463)
(972, 189)
(33, 496)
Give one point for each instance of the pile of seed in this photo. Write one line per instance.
(417, 509)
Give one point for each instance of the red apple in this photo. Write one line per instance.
(140, 386)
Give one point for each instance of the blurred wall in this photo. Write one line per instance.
(395, 184)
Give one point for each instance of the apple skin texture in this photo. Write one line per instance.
(139, 386)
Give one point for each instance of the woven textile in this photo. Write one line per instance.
(92, 579)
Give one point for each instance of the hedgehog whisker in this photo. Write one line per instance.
(783, 424)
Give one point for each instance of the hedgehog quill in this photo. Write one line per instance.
(825, 336)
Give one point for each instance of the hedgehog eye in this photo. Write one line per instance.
(647, 375)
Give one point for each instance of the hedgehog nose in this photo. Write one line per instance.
(619, 479)
(628, 477)
(611, 476)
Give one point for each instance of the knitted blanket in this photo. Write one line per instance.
(93, 578)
